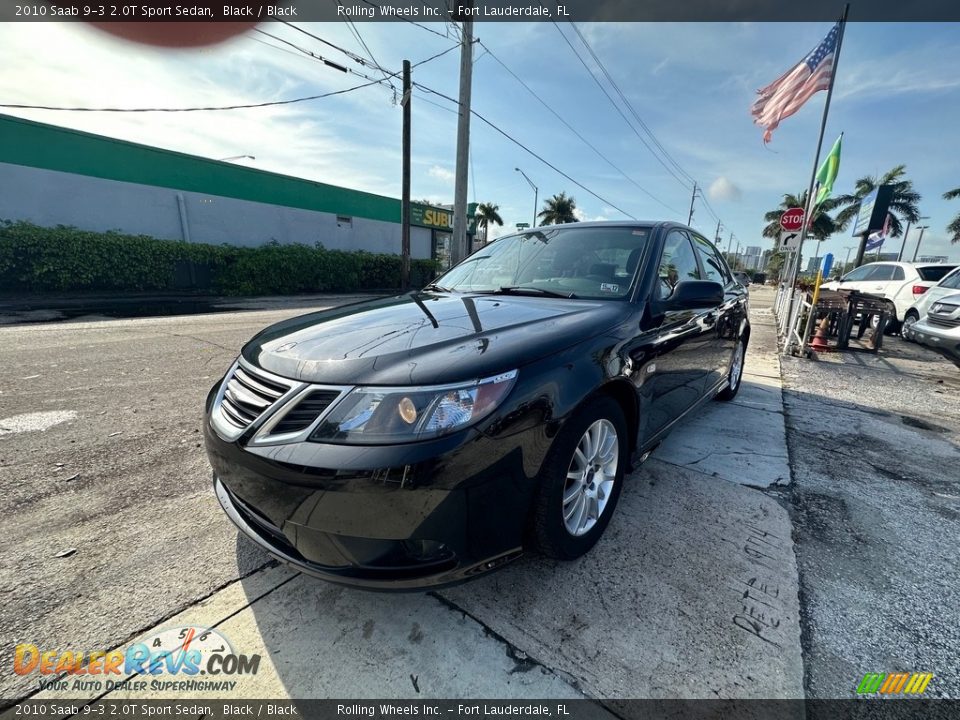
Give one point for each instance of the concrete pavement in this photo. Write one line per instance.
(692, 592)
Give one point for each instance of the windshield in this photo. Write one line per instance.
(582, 262)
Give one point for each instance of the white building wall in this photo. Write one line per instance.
(49, 197)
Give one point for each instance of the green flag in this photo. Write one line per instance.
(828, 172)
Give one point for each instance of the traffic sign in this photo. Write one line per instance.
(789, 240)
(792, 219)
(522, 226)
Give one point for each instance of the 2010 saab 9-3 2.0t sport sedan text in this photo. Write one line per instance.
(422, 439)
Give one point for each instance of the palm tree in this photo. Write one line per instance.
(488, 213)
(558, 209)
(823, 225)
(954, 226)
(903, 202)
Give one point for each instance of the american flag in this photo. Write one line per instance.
(787, 94)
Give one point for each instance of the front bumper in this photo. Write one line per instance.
(404, 517)
(946, 340)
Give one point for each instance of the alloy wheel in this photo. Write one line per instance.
(590, 477)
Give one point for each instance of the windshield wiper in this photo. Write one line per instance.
(437, 288)
(520, 289)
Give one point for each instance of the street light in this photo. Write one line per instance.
(236, 157)
(535, 192)
(846, 260)
(903, 245)
(919, 240)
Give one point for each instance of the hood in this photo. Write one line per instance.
(427, 338)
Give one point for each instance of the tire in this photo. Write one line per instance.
(552, 520)
(892, 324)
(734, 372)
(906, 330)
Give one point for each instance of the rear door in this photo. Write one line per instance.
(729, 315)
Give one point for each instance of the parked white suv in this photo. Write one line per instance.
(900, 282)
(950, 285)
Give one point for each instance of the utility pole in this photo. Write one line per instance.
(919, 240)
(405, 182)
(692, 198)
(717, 233)
(459, 250)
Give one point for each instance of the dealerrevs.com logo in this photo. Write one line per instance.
(174, 659)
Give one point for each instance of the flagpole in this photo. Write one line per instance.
(807, 219)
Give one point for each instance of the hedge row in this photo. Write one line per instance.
(66, 259)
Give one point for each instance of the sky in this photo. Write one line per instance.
(897, 100)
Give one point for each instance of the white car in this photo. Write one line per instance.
(940, 329)
(900, 282)
(950, 285)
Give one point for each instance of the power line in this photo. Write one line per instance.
(353, 56)
(196, 109)
(366, 47)
(320, 58)
(617, 108)
(528, 150)
(349, 53)
(628, 104)
(408, 20)
(574, 130)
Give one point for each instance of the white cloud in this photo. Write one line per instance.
(723, 189)
(441, 173)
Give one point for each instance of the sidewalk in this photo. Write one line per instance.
(53, 308)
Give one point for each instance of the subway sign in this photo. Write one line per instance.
(439, 218)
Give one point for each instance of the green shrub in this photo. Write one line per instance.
(65, 259)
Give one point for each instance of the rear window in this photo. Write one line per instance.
(934, 273)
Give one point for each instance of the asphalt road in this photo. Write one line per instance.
(120, 483)
(875, 502)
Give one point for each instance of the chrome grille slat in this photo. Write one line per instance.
(247, 394)
(233, 415)
(257, 386)
(237, 393)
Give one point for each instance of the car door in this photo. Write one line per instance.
(880, 281)
(679, 355)
(729, 315)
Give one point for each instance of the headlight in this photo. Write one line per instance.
(371, 415)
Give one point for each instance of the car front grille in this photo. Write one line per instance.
(944, 322)
(248, 394)
(302, 415)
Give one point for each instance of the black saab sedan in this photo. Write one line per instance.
(423, 439)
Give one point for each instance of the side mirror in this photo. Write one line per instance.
(694, 294)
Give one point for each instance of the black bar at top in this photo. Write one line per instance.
(438, 11)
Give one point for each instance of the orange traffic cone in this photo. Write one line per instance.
(819, 341)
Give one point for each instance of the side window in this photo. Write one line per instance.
(952, 281)
(714, 268)
(898, 273)
(881, 273)
(859, 274)
(678, 263)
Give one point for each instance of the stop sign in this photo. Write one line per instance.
(792, 219)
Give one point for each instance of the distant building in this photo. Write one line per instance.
(53, 175)
(933, 258)
(764, 260)
(813, 264)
